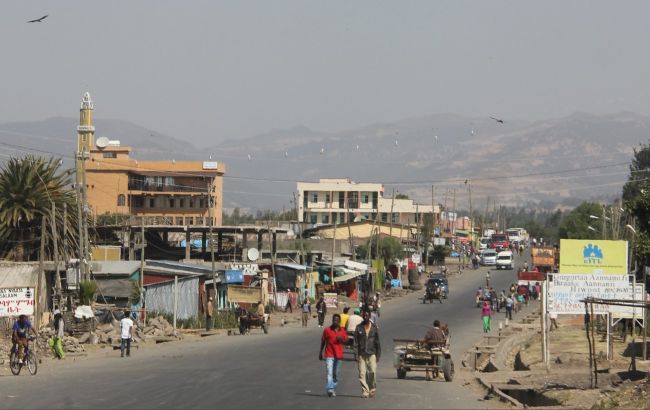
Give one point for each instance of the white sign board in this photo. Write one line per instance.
(416, 258)
(628, 312)
(565, 291)
(356, 265)
(16, 302)
(210, 165)
(249, 269)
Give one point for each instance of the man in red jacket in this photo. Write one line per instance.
(331, 347)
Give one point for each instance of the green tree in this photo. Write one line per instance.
(28, 186)
(576, 223)
(390, 249)
(636, 200)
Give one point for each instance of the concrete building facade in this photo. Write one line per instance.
(162, 192)
(340, 200)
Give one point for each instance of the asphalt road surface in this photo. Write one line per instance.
(276, 371)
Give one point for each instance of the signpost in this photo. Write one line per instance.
(16, 301)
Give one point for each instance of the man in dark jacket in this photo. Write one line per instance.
(366, 340)
(321, 311)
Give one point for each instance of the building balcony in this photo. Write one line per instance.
(144, 187)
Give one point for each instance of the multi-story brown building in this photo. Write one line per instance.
(163, 192)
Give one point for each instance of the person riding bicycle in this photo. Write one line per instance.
(21, 328)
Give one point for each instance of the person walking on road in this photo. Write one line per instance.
(331, 348)
(306, 312)
(486, 315)
(57, 346)
(321, 311)
(553, 320)
(368, 348)
(126, 326)
(509, 305)
(209, 311)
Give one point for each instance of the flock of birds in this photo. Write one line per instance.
(286, 153)
(357, 147)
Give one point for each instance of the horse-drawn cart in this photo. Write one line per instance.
(416, 355)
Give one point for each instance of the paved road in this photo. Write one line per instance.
(279, 370)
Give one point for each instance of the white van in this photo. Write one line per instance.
(504, 260)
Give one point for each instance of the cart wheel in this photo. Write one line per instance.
(448, 370)
(401, 373)
(435, 374)
(265, 327)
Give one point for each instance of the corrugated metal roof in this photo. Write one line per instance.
(114, 288)
(18, 275)
(294, 266)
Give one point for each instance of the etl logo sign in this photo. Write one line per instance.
(593, 254)
(593, 257)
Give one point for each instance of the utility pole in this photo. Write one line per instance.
(214, 271)
(453, 230)
(142, 245)
(471, 216)
(350, 229)
(485, 216)
(302, 249)
(392, 203)
(57, 276)
(446, 211)
(65, 234)
(41, 274)
(333, 251)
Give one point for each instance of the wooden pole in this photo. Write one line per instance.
(41, 274)
(175, 299)
(302, 249)
(392, 202)
(588, 320)
(593, 341)
(142, 263)
(214, 271)
(57, 276)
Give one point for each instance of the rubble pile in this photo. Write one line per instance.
(158, 327)
(70, 344)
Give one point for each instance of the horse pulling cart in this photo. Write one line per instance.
(412, 355)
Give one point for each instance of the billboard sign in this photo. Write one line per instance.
(565, 292)
(629, 312)
(331, 300)
(578, 256)
(16, 302)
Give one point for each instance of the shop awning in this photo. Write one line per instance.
(349, 274)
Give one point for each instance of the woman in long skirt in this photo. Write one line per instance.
(486, 314)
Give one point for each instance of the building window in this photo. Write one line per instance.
(314, 197)
(384, 217)
(326, 219)
(179, 220)
(327, 198)
(202, 203)
(171, 202)
(191, 202)
(152, 202)
(121, 200)
(189, 220)
(305, 199)
(313, 218)
(341, 199)
(109, 155)
(366, 198)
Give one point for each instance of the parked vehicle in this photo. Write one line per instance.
(483, 243)
(489, 258)
(505, 260)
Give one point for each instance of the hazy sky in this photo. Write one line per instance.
(205, 71)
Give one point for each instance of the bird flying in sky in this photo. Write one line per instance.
(39, 20)
(500, 121)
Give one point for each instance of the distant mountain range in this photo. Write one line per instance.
(556, 162)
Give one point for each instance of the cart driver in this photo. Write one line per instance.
(434, 338)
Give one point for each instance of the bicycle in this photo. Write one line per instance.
(29, 359)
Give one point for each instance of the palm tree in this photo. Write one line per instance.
(28, 186)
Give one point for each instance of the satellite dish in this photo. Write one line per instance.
(102, 142)
(253, 254)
